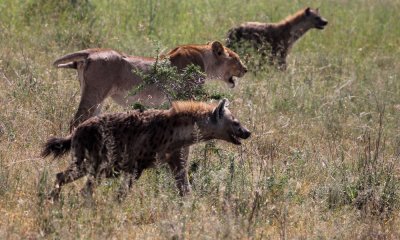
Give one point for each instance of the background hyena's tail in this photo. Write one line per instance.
(56, 146)
(231, 38)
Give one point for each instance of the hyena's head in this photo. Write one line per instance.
(225, 126)
(315, 19)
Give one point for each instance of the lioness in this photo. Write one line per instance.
(105, 72)
(274, 40)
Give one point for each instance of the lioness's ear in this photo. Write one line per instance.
(217, 48)
(219, 111)
(308, 11)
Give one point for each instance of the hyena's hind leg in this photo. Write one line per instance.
(73, 172)
(93, 171)
(178, 163)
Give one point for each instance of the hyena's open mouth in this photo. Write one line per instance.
(322, 24)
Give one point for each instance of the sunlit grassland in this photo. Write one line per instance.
(322, 161)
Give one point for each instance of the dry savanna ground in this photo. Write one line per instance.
(323, 160)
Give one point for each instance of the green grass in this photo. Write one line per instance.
(322, 162)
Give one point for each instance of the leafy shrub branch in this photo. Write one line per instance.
(185, 84)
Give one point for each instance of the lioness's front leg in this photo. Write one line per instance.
(178, 161)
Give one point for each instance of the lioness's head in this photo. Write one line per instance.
(217, 61)
(225, 126)
(226, 64)
(315, 19)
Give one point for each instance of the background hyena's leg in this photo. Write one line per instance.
(178, 162)
(71, 174)
(273, 57)
(89, 105)
(264, 58)
(128, 179)
(282, 60)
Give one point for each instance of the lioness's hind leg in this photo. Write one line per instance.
(89, 105)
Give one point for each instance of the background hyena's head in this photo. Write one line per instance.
(225, 126)
(315, 19)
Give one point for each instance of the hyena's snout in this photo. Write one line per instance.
(322, 22)
(237, 134)
(244, 133)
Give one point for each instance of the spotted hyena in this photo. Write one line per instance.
(274, 40)
(128, 143)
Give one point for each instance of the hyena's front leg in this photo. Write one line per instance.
(178, 162)
(273, 56)
(128, 179)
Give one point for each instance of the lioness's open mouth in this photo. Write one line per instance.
(232, 81)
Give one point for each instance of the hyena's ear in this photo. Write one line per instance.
(219, 111)
(317, 10)
(308, 11)
(217, 48)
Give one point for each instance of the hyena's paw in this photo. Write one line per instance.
(54, 196)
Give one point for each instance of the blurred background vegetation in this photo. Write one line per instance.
(323, 160)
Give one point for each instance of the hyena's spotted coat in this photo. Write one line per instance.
(274, 40)
(130, 142)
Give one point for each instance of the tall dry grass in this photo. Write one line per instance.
(322, 162)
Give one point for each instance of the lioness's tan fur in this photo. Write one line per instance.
(107, 73)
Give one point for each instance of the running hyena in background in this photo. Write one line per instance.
(128, 143)
(274, 40)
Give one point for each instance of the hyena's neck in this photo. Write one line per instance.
(297, 29)
(296, 26)
(188, 130)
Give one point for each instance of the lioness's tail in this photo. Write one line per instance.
(71, 60)
(56, 146)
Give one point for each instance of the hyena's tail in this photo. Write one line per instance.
(56, 146)
(231, 37)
